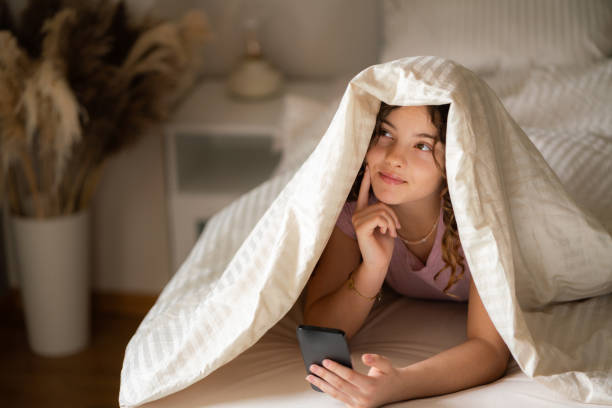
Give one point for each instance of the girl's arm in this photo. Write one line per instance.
(479, 360)
(329, 301)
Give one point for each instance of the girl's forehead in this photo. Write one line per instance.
(417, 118)
(413, 112)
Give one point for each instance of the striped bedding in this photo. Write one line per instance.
(566, 113)
(540, 258)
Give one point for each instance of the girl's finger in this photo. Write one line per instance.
(328, 389)
(330, 377)
(392, 213)
(375, 208)
(377, 361)
(347, 374)
(381, 220)
(364, 190)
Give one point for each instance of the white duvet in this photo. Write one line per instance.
(542, 266)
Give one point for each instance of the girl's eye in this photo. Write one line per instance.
(424, 147)
(385, 133)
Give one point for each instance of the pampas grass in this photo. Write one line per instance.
(81, 84)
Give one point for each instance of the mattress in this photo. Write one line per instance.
(271, 373)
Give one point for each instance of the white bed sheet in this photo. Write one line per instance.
(272, 373)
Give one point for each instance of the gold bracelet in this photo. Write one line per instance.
(351, 285)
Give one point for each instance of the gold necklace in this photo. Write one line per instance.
(420, 241)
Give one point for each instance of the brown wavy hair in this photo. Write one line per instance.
(451, 256)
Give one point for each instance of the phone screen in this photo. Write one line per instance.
(318, 343)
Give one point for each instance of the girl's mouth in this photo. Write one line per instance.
(390, 180)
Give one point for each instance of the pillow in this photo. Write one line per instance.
(305, 119)
(486, 35)
(583, 162)
(304, 122)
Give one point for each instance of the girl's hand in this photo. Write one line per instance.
(376, 228)
(383, 383)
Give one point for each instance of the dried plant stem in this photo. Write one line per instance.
(90, 70)
(47, 186)
(90, 185)
(13, 195)
(73, 195)
(45, 183)
(28, 170)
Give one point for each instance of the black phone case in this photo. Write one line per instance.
(319, 343)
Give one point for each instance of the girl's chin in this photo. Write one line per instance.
(387, 197)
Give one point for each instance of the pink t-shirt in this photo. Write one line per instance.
(406, 274)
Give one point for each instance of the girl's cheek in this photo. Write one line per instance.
(370, 157)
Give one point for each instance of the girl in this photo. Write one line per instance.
(404, 233)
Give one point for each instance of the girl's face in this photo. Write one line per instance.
(403, 152)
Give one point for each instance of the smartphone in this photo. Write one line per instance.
(318, 343)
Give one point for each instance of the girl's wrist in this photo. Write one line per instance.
(352, 286)
(377, 272)
(366, 281)
(409, 379)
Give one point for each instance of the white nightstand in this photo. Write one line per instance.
(218, 148)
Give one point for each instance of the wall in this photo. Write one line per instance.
(130, 244)
(308, 39)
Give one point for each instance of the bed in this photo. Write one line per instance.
(271, 373)
(562, 105)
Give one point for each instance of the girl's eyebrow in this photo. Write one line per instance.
(388, 123)
(385, 121)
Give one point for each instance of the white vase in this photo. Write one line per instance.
(53, 262)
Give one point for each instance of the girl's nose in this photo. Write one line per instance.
(395, 157)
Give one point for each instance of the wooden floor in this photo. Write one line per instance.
(89, 379)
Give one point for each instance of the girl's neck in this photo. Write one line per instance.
(418, 217)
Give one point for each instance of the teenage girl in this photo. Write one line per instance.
(404, 233)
